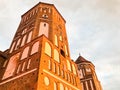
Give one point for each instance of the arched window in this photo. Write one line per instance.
(29, 37)
(23, 40)
(35, 47)
(74, 69)
(56, 55)
(47, 49)
(46, 81)
(11, 66)
(68, 65)
(25, 53)
(43, 29)
(56, 40)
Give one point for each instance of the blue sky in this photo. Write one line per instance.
(92, 28)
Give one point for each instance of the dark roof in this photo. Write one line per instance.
(2, 54)
(80, 59)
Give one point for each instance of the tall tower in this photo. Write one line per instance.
(39, 57)
(88, 77)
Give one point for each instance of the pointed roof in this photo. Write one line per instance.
(2, 54)
(80, 59)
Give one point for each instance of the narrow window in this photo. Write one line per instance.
(43, 29)
(49, 64)
(29, 37)
(60, 38)
(61, 86)
(54, 67)
(68, 77)
(75, 83)
(91, 84)
(23, 66)
(62, 73)
(23, 40)
(11, 66)
(35, 48)
(12, 47)
(25, 53)
(66, 88)
(46, 81)
(56, 55)
(28, 65)
(68, 65)
(71, 79)
(66, 52)
(86, 85)
(82, 86)
(47, 49)
(56, 40)
(58, 70)
(49, 10)
(18, 44)
(74, 69)
(62, 53)
(55, 86)
(80, 73)
(18, 69)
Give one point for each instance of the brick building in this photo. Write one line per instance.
(39, 56)
(87, 74)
